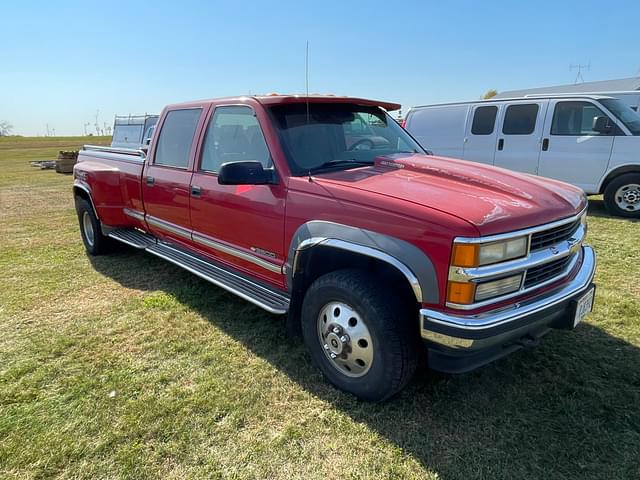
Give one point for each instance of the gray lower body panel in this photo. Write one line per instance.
(237, 283)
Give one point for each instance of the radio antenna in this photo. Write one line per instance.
(306, 77)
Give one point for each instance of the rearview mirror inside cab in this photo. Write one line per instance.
(244, 173)
(601, 125)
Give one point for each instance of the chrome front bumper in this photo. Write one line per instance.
(496, 328)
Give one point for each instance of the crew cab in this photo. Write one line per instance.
(323, 208)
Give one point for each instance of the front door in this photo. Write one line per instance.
(240, 225)
(167, 176)
(520, 136)
(571, 150)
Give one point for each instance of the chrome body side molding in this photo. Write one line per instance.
(209, 242)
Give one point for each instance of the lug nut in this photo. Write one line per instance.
(344, 339)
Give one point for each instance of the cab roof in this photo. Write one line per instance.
(279, 99)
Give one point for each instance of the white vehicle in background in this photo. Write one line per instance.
(133, 131)
(591, 141)
(631, 98)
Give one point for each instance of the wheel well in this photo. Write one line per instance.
(320, 260)
(616, 173)
(79, 192)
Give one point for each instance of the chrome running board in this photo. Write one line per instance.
(263, 296)
(132, 237)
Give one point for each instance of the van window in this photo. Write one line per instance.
(520, 119)
(176, 137)
(484, 119)
(233, 135)
(575, 118)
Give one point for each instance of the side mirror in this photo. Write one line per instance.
(244, 173)
(601, 125)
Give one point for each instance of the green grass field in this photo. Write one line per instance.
(125, 366)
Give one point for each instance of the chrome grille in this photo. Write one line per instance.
(546, 238)
(546, 271)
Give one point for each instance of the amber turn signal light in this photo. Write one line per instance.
(465, 255)
(461, 293)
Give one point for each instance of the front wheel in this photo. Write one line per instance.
(360, 335)
(622, 196)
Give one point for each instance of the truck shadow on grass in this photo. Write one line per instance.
(567, 409)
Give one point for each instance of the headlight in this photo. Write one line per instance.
(477, 254)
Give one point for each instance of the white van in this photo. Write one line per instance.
(591, 141)
(631, 98)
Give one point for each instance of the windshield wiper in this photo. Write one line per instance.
(339, 161)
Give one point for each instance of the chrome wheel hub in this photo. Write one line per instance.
(345, 339)
(87, 226)
(628, 197)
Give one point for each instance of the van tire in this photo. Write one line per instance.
(91, 230)
(622, 196)
(388, 326)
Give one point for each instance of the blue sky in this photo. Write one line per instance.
(62, 61)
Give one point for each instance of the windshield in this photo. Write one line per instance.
(624, 113)
(337, 136)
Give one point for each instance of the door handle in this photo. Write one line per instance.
(150, 180)
(195, 191)
(545, 144)
(501, 144)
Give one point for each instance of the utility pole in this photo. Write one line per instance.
(97, 125)
(579, 68)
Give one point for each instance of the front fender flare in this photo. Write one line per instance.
(412, 262)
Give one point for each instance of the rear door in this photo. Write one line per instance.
(167, 175)
(571, 150)
(520, 136)
(480, 141)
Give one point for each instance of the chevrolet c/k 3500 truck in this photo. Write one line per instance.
(325, 209)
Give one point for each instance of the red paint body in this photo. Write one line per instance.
(424, 200)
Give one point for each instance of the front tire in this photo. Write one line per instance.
(622, 196)
(90, 230)
(360, 335)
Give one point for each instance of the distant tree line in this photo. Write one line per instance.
(5, 128)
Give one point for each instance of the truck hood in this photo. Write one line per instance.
(494, 200)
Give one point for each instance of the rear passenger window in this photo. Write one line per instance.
(484, 119)
(520, 119)
(575, 118)
(233, 135)
(176, 137)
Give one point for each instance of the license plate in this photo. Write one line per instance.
(583, 307)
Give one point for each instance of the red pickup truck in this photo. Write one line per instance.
(325, 209)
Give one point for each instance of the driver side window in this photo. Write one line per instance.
(575, 118)
(233, 135)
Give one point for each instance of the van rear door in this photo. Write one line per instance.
(520, 136)
(571, 150)
(480, 141)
